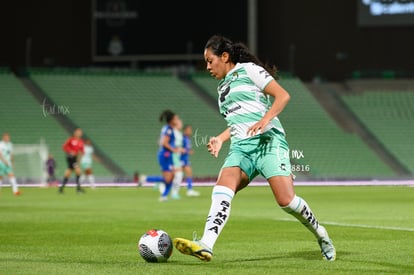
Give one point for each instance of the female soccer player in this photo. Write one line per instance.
(74, 149)
(181, 163)
(50, 169)
(185, 160)
(257, 144)
(86, 163)
(176, 156)
(166, 149)
(6, 163)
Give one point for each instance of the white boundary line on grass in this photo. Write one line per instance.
(394, 228)
(396, 182)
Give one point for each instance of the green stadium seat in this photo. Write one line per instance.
(120, 112)
(24, 118)
(389, 115)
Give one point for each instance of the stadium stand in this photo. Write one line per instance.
(207, 83)
(389, 115)
(28, 122)
(119, 111)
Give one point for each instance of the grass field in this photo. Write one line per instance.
(42, 232)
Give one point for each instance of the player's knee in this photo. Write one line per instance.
(285, 200)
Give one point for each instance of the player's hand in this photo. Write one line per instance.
(257, 128)
(214, 146)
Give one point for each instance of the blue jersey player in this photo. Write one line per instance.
(166, 150)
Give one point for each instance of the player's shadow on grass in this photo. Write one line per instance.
(305, 255)
(398, 268)
(311, 255)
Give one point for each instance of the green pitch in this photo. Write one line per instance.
(42, 232)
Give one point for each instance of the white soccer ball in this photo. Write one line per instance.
(155, 246)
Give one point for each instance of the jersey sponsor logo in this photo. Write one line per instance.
(231, 110)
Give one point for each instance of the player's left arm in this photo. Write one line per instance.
(96, 158)
(3, 159)
(281, 98)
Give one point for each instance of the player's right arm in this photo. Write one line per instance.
(65, 146)
(215, 143)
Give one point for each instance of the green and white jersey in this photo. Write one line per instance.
(178, 143)
(6, 150)
(178, 138)
(242, 101)
(87, 156)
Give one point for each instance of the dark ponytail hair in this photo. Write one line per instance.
(238, 52)
(167, 115)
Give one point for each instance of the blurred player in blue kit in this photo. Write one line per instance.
(166, 149)
(180, 161)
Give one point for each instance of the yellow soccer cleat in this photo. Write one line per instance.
(193, 248)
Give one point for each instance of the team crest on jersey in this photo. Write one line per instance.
(234, 76)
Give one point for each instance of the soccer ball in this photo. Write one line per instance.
(155, 246)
